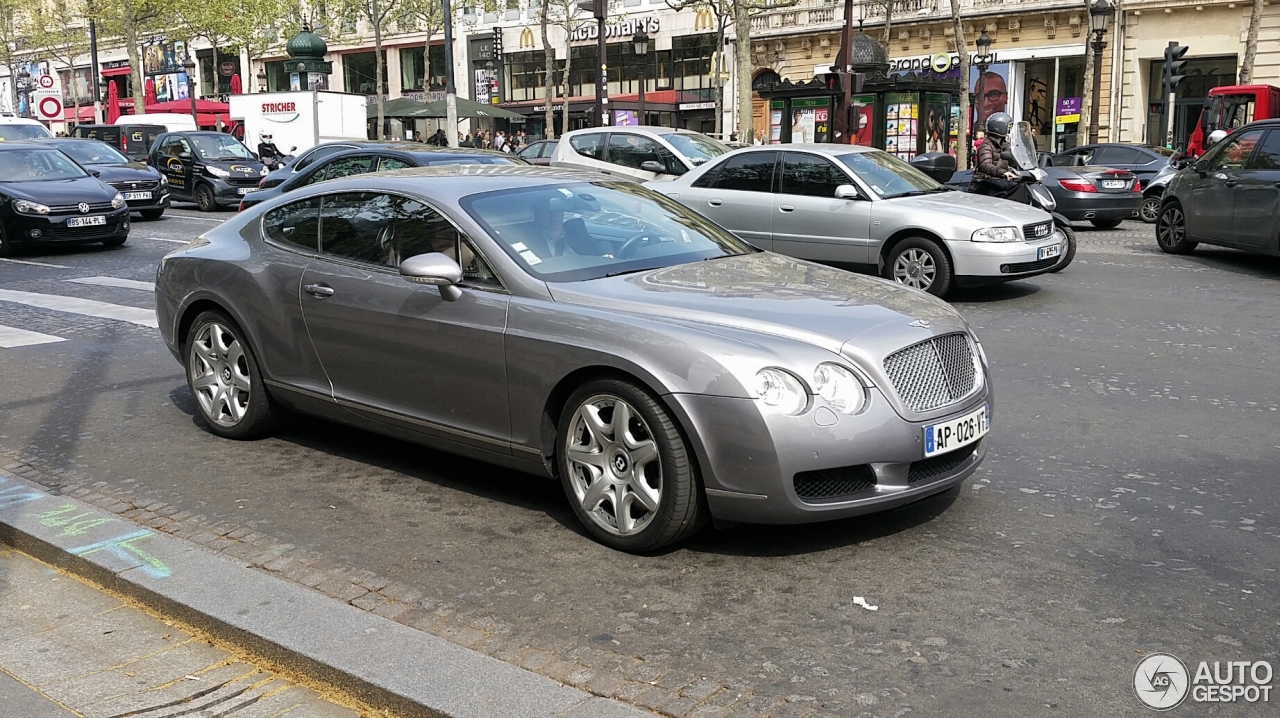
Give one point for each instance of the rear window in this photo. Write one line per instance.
(588, 145)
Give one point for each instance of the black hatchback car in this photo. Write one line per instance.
(145, 190)
(1229, 197)
(46, 198)
(380, 159)
(212, 169)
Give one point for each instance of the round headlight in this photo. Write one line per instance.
(781, 391)
(840, 388)
(118, 201)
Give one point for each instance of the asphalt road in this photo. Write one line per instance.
(1127, 505)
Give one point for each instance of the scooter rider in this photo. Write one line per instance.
(268, 153)
(992, 175)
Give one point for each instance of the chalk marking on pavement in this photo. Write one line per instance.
(35, 264)
(86, 307)
(11, 337)
(162, 239)
(123, 548)
(115, 282)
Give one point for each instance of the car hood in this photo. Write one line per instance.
(130, 172)
(771, 294)
(63, 192)
(984, 210)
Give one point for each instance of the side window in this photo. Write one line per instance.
(674, 165)
(350, 223)
(1236, 151)
(475, 271)
(411, 228)
(588, 145)
(708, 178)
(811, 176)
(348, 166)
(317, 175)
(296, 224)
(632, 151)
(751, 172)
(548, 149)
(1268, 157)
(319, 154)
(392, 163)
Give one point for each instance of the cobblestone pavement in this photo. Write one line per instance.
(1125, 507)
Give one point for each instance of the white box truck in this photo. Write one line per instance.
(300, 120)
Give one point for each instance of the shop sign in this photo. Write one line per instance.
(1068, 110)
(622, 28)
(697, 106)
(940, 64)
(226, 68)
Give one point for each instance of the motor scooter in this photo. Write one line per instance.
(274, 163)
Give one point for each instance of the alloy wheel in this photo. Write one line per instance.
(915, 268)
(219, 373)
(1150, 210)
(1171, 229)
(615, 469)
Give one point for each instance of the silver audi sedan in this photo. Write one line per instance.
(867, 210)
(581, 328)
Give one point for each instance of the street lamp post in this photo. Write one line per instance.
(1099, 15)
(983, 61)
(93, 70)
(641, 41)
(190, 66)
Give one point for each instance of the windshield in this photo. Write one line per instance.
(90, 152)
(22, 132)
(578, 231)
(697, 148)
(37, 164)
(222, 147)
(889, 176)
(1228, 112)
(1022, 145)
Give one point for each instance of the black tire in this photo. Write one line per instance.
(1150, 210)
(1105, 223)
(681, 508)
(1071, 250)
(908, 250)
(259, 414)
(6, 247)
(205, 201)
(1171, 230)
(116, 241)
(152, 213)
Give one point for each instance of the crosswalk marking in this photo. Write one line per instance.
(86, 307)
(115, 282)
(34, 264)
(11, 337)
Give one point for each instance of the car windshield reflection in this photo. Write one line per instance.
(37, 164)
(580, 231)
(889, 176)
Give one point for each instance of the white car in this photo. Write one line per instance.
(21, 128)
(643, 153)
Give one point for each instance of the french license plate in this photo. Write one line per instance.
(85, 221)
(1052, 250)
(246, 190)
(951, 435)
(137, 195)
(1113, 184)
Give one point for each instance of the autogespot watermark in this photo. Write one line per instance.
(1163, 682)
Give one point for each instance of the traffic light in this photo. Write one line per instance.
(838, 82)
(497, 44)
(599, 9)
(1174, 66)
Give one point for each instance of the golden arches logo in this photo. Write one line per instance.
(526, 38)
(704, 20)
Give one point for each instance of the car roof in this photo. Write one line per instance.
(830, 150)
(201, 132)
(32, 143)
(651, 129)
(453, 182)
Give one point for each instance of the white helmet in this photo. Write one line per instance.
(266, 136)
(1215, 137)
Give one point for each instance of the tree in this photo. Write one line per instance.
(721, 12)
(132, 21)
(60, 31)
(14, 31)
(1251, 43)
(962, 124)
(549, 85)
(425, 16)
(888, 22)
(566, 15)
(379, 15)
(742, 12)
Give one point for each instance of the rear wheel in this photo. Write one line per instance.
(152, 213)
(626, 469)
(204, 199)
(1071, 250)
(1150, 210)
(1105, 223)
(920, 263)
(1171, 230)
(224, 379)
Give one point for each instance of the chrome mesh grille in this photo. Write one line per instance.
(933, 373)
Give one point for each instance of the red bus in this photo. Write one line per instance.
(1232, 106)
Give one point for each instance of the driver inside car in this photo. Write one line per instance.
(561, 236)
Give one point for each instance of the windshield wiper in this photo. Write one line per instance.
(627, 271)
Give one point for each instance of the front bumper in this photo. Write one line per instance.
(25, 230)
(986, 262)
(159, 200)
(226, 193)
(749, 458)
(1084, 206)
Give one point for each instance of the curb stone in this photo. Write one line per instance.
(384, 663)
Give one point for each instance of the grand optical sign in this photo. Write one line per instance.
(623, 28)
(280, 111)
(941, 63)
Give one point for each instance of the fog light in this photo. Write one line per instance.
(35, 233)
(125, 225)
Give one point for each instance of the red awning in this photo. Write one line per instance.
(84, 115)
(116, 71)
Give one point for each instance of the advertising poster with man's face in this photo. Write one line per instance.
(991, 91)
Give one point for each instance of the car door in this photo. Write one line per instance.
(1257, 209)
(628, 152)
(1213, 195)
(584, 150)
(397, 352)
(175, 159)
(737, 195)
(809, 222)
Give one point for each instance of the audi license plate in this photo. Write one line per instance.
(1113, 184)
(85, 221)
(951, 435)
(130, 196)
(1052, 250)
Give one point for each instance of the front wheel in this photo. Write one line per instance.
(1171, 230)
(1150, 210)
(920, 263)
(204, 199)
(1105, 223)
(224, 379)
(626, 469)
(1071, 249)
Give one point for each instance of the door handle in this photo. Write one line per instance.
(714, 202)
(1277, 184)
(786, 207)
(1230, 183)
(319, 291)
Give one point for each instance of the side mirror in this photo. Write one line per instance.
(293, 149)
(95, 173)
(184, 156)
(1201, 167)
(848, 191)
(436, 269)
(653, 166)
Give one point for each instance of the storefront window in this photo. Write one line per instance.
(413, 68)
(360, 72)
(82, 75)
(213, 81)
(277, 76)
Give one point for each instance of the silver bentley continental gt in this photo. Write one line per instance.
(585, 329)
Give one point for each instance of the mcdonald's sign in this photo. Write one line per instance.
(526, 39)
(704, 20)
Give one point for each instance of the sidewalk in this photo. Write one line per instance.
(68, 649)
